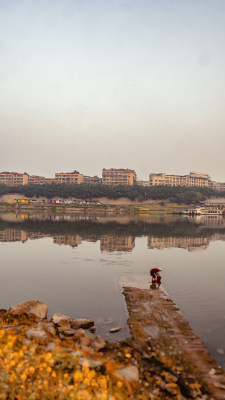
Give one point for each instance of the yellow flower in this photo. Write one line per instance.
(65, 376)
(21, 353)
(119, 384)
(49, 370)
(23, 377)
(48, 356)
(32, 350)
(78, 376)
(53, 374)
(31, 370)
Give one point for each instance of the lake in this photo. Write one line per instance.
(78, 266)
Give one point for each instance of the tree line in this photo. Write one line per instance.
(177, 194)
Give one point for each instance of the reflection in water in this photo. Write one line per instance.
(189, 243)
(71, 240)
(117, 243)
(114, 235)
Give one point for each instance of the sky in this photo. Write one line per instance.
(92, 84)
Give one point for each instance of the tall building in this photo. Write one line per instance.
(194, 179)
(13, 178)
(121, 176)
(69, 177)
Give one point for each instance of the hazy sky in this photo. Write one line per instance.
(87, 84)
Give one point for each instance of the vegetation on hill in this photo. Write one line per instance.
(178, 194)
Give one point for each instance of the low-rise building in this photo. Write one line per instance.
(39, 180)
(13, 178)
(121, 176)
(143, 183)
(69, 177)
(218, 186)
(194, 179)
(92, 179)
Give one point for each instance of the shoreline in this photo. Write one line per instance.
(162, 359)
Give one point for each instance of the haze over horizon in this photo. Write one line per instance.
(95, 84)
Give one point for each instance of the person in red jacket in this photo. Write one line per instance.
(154, 272)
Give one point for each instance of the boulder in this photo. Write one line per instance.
(48, 326)
(39, 334)
(3, 312)
(49, 347)
(81, 323)
(31, 308)
(82, 338)
(63, 322)
(98, 343)
(69, 332)
(92, 329)
(129, 373)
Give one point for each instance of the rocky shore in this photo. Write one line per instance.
(62, 358)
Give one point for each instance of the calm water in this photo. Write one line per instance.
(78, 267)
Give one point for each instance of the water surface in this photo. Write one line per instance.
(78, 266)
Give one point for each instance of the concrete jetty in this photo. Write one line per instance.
(154, 319)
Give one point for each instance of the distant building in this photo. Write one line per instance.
(194, 179)
(39, 180)
(118, 176)
(218, 186)
(142, 183)
(13, 178)
(92, 179)
(69, 177)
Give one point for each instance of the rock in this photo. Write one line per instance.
(69, 332)
(82, 338)
(92, 329)
(98, 343)
(48, 326)
(91, 363)
(50, 347)
(3, 312)
(117, 329)
(63, 322)
(212, 371)
(129, 373)
(39, 334)
(82, 323)
(31, 308)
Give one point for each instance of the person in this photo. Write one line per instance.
(154, 272)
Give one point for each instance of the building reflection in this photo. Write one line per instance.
(112, 243)
(117, 243)
(188, 243)
(68, 240)
(19, 235)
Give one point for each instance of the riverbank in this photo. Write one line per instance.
(61, 358)
(104, 209)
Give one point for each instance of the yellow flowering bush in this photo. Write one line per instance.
(29, 372)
